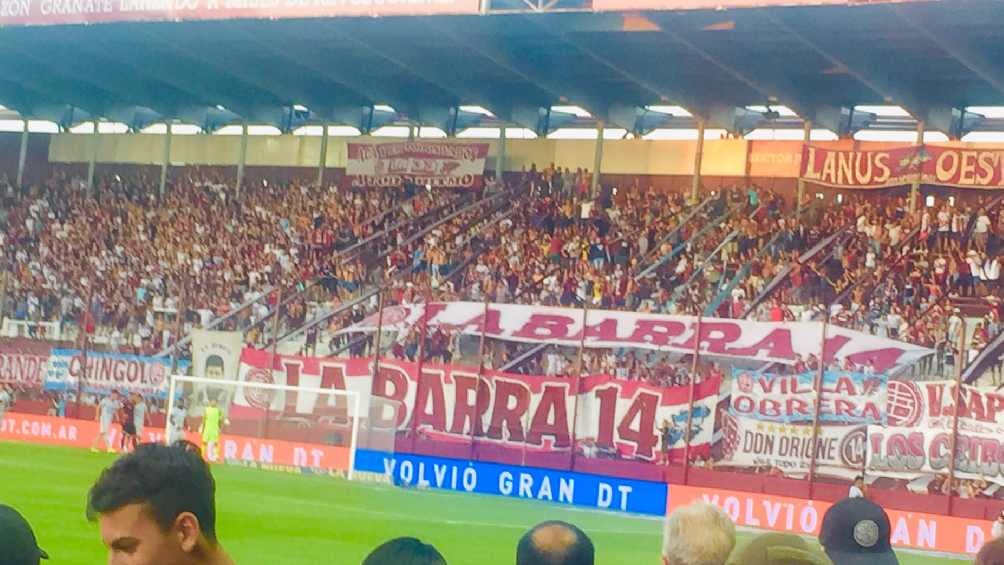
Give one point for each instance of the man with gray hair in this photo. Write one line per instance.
(698, 534)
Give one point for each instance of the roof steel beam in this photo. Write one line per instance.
(779, 93)
(979, 65)
(459, 91)
(558, 92)
(859, 70)
(200, 96)
(365, 92)
(117, 91)
(659, 92)
(279, 94)
(80, 96)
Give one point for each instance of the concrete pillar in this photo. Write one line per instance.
(915, 186)
(165, 162)
(95, 141)
(594, 189)
(322, 161)
(695, 186)
(22, 156)
(800, 195)
(242, 159)
(500, 159)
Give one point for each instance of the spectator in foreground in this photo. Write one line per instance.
(992, 553)
(855, 531)
(777, 549)
(997, 530)
(18, 545)
(857, 489)
(555, 543)
(157, 505)
(698, 534)
(404, 551)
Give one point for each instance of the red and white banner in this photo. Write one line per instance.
(781, 342)
(846, 397)
(439, 164)
(24, 363)
(787, 448)
(921, 420)
(917, 530)
(927, 164)
(612, 418)
(61, 12)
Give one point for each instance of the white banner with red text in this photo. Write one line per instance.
(598, 416)
(918, 440)
(437, 164)
(780, 342)
(786, 449)
(845, 397)
(100, 373)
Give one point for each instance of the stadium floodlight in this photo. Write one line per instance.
(268, 425)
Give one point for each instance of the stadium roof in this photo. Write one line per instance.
(933, 59)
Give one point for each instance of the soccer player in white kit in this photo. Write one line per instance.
(139, 416)
(107, 409)
(177, 424)
(5, 401)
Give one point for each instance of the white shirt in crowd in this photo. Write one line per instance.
(992, 270)
(982, 224)
(855, 492)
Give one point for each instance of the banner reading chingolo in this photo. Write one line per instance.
(425, 163)
(927, 164)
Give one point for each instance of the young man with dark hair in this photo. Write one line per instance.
(156, 506)
(555, 543)
(405, 551)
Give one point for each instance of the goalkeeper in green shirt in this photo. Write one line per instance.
(212, 422)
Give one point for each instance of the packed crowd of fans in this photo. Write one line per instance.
(204, 247)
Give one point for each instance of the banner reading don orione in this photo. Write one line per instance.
(926, 164)
(437, 164)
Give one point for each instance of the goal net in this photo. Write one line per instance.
(278, 427)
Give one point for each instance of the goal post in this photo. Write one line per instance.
(276, 426)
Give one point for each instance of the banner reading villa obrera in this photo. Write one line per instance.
(425, 163)
(927, 164)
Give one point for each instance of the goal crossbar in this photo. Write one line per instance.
(350, 394)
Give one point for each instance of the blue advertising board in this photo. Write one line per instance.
(532, 483)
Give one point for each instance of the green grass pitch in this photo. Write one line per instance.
(274, 518)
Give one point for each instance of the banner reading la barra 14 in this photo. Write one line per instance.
(436, 164)
(51, 12)
(780, 342)
(612, 418)
(928, 164)
(845, 398)
(109, 371)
